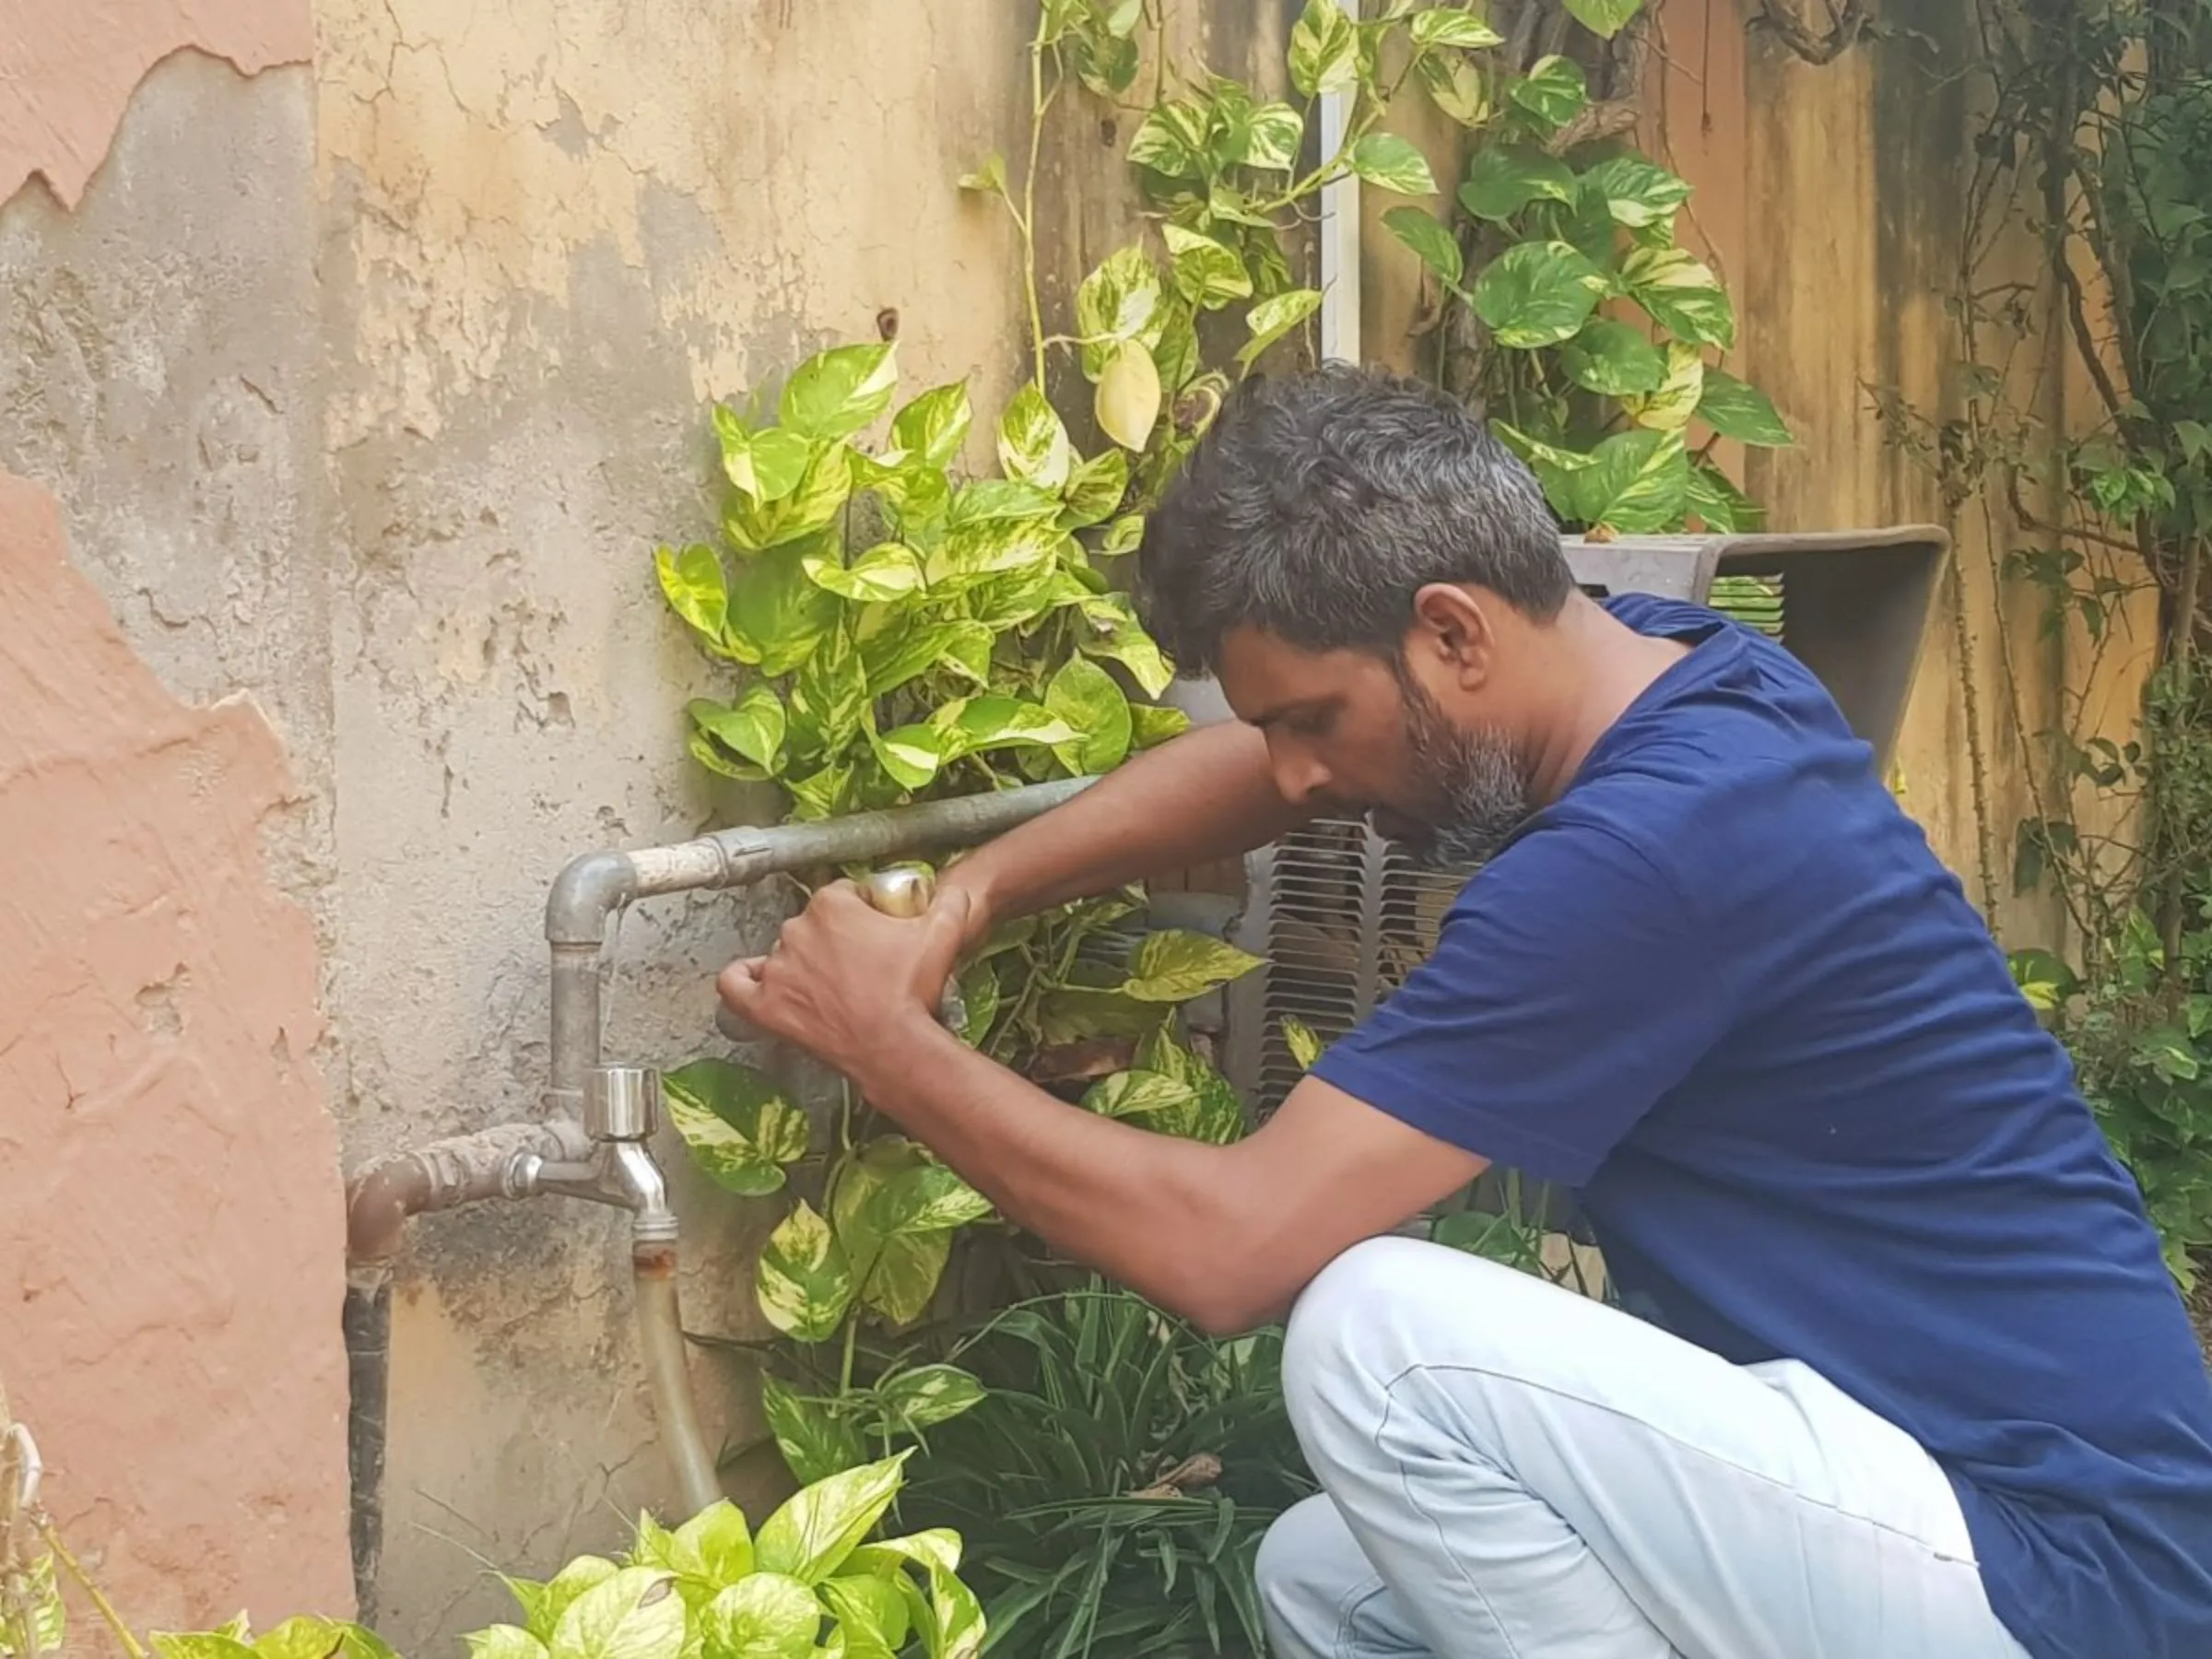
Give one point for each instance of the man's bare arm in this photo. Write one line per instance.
(1208, 794)
(1225, 1236)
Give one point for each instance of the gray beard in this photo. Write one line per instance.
(1477, 789)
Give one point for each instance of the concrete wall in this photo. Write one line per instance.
(365, 390)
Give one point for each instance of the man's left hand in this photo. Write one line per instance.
(844, 979)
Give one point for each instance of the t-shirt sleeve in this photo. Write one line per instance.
(1569, 990)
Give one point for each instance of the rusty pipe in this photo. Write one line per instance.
(443, 1175)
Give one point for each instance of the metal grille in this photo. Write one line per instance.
(1755, 601)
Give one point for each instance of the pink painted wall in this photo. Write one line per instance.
(67, 68)
(170, 1217)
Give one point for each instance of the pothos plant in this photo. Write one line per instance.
(1600, 334)
(814, 1580)
(903, 634)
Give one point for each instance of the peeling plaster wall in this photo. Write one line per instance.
(70, 69)
(552, 234)
(167, 1169)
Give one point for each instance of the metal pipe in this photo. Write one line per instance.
(442, 1175)
(612, 1164)
(667, 1372)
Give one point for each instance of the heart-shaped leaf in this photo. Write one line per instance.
(1537, 294)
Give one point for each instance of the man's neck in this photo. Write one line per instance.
(1603, 666)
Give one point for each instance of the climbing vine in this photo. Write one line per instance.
(2092, 152)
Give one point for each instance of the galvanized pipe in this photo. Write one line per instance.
(613, 1164)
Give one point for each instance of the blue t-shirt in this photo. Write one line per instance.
(1722, 987)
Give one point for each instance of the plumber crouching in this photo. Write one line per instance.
(1897, 1372)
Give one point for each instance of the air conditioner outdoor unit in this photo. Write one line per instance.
(1341, 916)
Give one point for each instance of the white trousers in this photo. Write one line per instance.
(1510, 1469)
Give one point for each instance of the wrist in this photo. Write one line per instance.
(969, 878)
(906, 1045)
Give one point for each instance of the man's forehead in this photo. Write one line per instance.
(1264, 674)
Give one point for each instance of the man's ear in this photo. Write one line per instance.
(1452, 630)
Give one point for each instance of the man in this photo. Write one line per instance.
(1901, 1375)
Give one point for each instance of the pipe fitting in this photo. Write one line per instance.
(589, 889)
(444, 1174)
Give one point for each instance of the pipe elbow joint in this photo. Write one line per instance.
(588, 890)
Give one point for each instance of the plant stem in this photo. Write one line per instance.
(101, 1605)
(844, 1370)
(1039, 102)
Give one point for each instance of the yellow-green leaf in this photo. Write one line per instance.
(1430, 240)
(753, 726)
(1537, 294)
(960, 1625)
(1095, 489)
(1127, 402)
(1174, 966)
(1116, 303)
(1114, 633)
(1273, 317)
(873, 1618)
(1208, 274)
(1456, 87)
(1670, 406)
(1032, 443)
(933, 426)
(1604, 18)
(495, 1641)
(764, 465)
(810, 508)
(989, 175)
(836, 392)
(816, 1441)
(1390, 162)
(1682, 295)
(764, 1615)
(742, 1130)
(1083, 695)
(1136, 1093)
(927, 1395)
(912, 754)
(718, 1540)
(1302, 1041)
(636, 1614)
(1154, 723)
(1636, 482)
(887, 571)
(1325, 50)
(811, 1536)
(802, 1279)
(970, 724)
(1738, 410)
(696, 588)
(1636, 193)
(1613, 358)
(1554, 91)
(1504, 178)
(1447, 25)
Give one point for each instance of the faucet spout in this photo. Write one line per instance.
(620, 1173)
